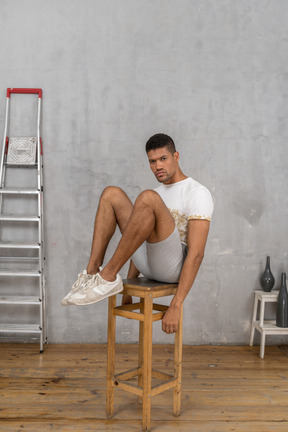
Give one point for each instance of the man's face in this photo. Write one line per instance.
(164, 164)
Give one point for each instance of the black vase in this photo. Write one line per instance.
(282, 304)
(267, 279)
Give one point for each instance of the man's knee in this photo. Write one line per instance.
(149, 198)
(110, 192)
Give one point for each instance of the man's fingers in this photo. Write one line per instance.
(169, 329)
(170, 320)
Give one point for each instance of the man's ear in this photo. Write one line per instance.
(176, 156)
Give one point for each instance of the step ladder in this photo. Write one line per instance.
(22, 283)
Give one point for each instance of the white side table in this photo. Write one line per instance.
(264, 327)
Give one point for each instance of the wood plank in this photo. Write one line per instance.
(195, 397)
(126, 410)
(225, 389)
(135, 426)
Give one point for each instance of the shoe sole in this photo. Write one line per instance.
(64, 302)
(109, 294)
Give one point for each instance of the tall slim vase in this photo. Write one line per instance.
(282, 304)
(267, 279)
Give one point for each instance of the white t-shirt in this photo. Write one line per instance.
(186, 200)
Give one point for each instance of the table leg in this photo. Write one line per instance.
(254, 317)
(262, 309)
(262, 344)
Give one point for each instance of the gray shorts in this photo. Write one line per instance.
(161, 261)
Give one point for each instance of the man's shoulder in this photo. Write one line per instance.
(188, 184)
(194, 185)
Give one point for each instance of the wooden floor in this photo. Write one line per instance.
(63, 389)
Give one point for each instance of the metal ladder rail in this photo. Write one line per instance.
(41, 224)
(4, 147)
(42, 328)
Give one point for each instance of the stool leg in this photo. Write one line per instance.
(261, 323)
(178, 367)
(110, 356)
(147, 362)
(141, 348)
(254, 316)
(262, 311)
(262, 344)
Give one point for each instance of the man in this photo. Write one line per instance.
(164, 234)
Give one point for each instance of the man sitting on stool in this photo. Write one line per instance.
(164, 234)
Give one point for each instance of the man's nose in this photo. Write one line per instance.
(158, 165)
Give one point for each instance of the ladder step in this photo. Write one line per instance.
(22, 259)
(7, 164)
(20, 300)
(19, 218)
(22, 150)
(20, 328)
(12, 245)
(20, 273)
(21, 191)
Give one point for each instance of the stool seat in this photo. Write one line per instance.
(148, 312)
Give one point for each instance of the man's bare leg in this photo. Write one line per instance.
(133, 273)
(150, 220)
(114, 208)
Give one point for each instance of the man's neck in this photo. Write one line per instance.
(179, 176)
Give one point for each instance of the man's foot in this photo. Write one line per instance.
(96, 289)
(80, 282)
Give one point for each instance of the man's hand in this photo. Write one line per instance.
(170, 320)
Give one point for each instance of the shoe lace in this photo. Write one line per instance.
(88, 284)
(78, 282)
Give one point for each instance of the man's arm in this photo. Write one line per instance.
(196, 240)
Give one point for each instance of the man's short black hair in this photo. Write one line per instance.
(160, 140)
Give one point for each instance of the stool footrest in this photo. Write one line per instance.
(131, 373)
(126, 311)
(161, 375)
(138, 391)
(128, 314)
(160, 307)
(132, 388)
(159, 388)
(129, 307)
(123, 376)
(120, 379)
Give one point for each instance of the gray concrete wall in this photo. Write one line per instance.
(213, 74)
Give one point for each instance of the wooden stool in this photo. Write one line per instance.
(146, 290)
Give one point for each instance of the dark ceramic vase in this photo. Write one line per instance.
(282, 304)
(267, 279)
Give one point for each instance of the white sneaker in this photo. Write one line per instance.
(96, 289)
(80, 282)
